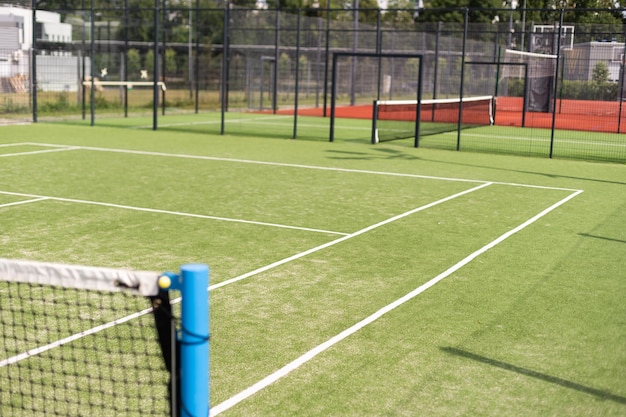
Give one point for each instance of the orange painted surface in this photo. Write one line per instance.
(583, 115)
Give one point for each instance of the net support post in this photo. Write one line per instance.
(193, 336)
(194, 340)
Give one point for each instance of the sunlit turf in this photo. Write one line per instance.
(533, 326)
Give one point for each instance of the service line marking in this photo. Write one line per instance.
(175, 213)
(295, 364)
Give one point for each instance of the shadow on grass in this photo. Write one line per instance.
(384, 154)
(527, 172)
(605, 395)
(610, 239)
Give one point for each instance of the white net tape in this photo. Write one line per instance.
(79, 277)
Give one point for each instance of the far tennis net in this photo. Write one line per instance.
(397, 119)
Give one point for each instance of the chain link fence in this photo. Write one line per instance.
(231, 59)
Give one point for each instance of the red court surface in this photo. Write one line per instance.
(583, 115)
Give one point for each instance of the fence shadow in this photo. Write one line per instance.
(603, 394)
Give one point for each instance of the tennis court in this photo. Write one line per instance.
(346, 279)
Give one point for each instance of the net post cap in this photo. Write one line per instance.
(198, 268)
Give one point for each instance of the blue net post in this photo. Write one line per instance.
(194, 340)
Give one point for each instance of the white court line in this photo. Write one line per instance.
(68, 148)
(34, 200)
(2, 145)
(175, 213)
(61, 342)
(341, 239)
(316, 167)
(270, 379)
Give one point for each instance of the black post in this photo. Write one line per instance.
(460, 122)
(556, 82)
(196, 71)
(33, 64)
(296, 88)
(163, 54)
(224, 77)
(420, 80)
(526, 94)
(276, 59)
(436, 71)
(327, 52)
(331, 135)
(83, 52)
(495, 93)
(355, 48)
(126, 24)
(379, 75)
(317, 72)
(155, 63)
(621, 92)
(92, 47)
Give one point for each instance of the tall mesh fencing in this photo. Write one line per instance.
(250, 62)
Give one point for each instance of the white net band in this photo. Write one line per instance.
(80, 277)
(537, 65)
(129, 84)
(435, 101)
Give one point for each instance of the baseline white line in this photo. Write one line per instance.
(34, 200)
(341, 239)
(281, 164)
(175, 213)
(69, 148)
(270, 379)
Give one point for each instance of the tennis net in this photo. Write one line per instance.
(397, 119)
(83, 341)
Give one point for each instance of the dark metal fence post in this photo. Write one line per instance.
(297, 81)
(276, 59)
(196, 72)
(83, 52)
(378, 49)
(621, 92)
(460, 122)
(92, 69)
(556, 82)
(164, 27)
(327, 55)
(224, 75)
(126, 27)
(33, 64)
(155, 63)
(436, 70)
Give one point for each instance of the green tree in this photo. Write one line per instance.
(133, 63)
(600, 73)
(170, 61)
(610, 15)
(400, 12)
